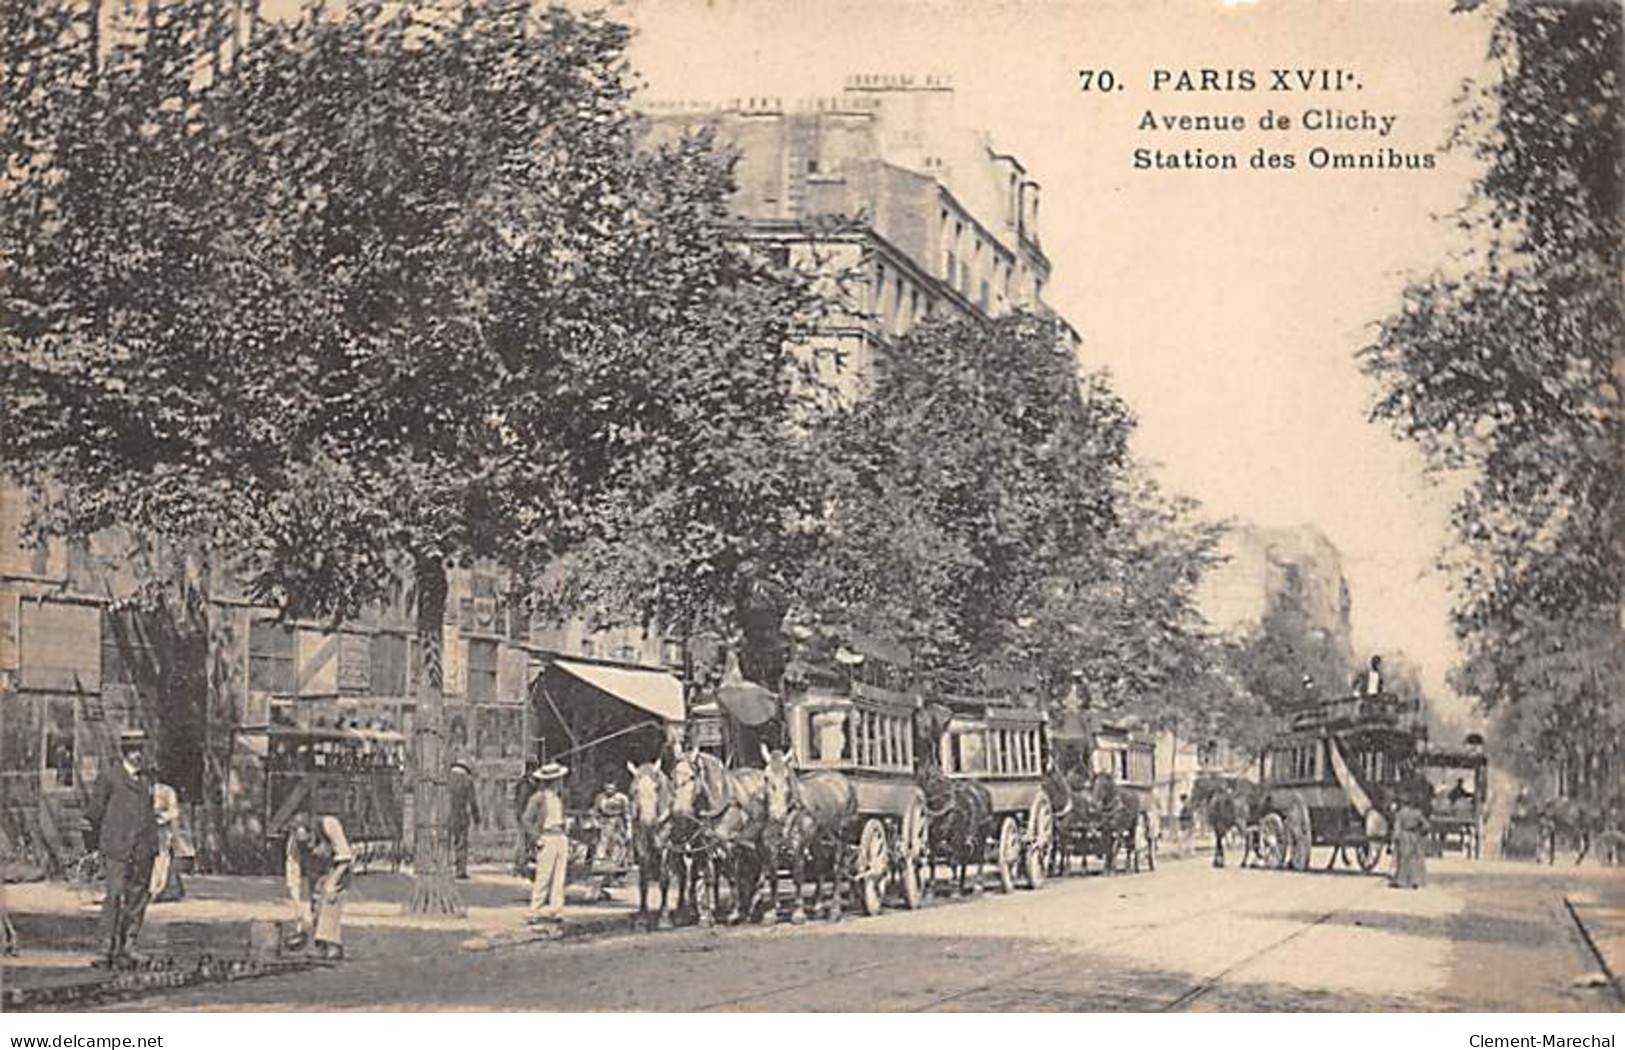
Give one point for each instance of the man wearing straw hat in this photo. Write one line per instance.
(124, 830)
(543, 820)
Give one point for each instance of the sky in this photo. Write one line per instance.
(1227, 305)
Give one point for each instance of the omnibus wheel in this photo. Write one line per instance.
(1040, 839)
(916, 850)
(1272, 840)
(873, 862)
(1009, 853)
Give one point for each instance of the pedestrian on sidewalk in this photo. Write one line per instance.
(465, 813)
(166, 884)
(544, 821)
(1410, 832)
(612, 852)
(317, 868)
(122, 825)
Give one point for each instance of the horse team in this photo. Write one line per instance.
(702, 824)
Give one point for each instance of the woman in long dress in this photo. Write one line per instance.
(1410, 832)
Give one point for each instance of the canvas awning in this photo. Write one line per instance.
(657, 692)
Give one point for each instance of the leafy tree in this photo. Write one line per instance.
(985, 510)
(973, 461)
(1287, 644)
(1504, 367)
(395, 288)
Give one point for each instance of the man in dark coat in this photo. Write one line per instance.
(124, 829)
(465, 813)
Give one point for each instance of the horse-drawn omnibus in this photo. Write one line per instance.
(279, 771)
(1327, 779)
(1130, 759)
(848, 716)
(1004, 748)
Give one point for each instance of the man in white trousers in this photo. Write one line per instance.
(543, 820)
(318, 863)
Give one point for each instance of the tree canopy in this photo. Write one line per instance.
(985, 510)
(359, 296)
(1505, 366)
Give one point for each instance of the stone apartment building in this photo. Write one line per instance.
(944, 223)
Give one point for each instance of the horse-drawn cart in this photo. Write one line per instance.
(843, 720)
(1457, 820)
(1327, 780)
(1003, 748)
(279, 771)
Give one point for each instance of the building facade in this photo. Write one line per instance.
(940, 221)
(214, 682)
(1265, 565)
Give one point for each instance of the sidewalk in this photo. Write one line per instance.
(1602, 918)
(58, 925)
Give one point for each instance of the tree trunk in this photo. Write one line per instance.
(433, 892)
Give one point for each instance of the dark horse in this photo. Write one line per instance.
(1117, 815)
(1229, 805)
(961, 820)
(731, 807)
(809, 820)
(1070, 804)
(651, 830)
(959, 813)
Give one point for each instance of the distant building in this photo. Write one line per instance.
(1266, 565)
(949, 223)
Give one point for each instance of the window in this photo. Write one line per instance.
(829, 736)
(387, 676)
(586, 647)
(59, 750)
(812, 165)
(128, 655)
(482, 669)
(518, 618)
(270, 657)
(969, 752)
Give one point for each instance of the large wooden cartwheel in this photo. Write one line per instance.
(1040, 838)
(1009, 854)
(1272, 840)
(915, 851)
(1299, 835)
(873, 870)
(1368, 854)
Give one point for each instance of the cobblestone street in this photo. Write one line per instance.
(1482, 936)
